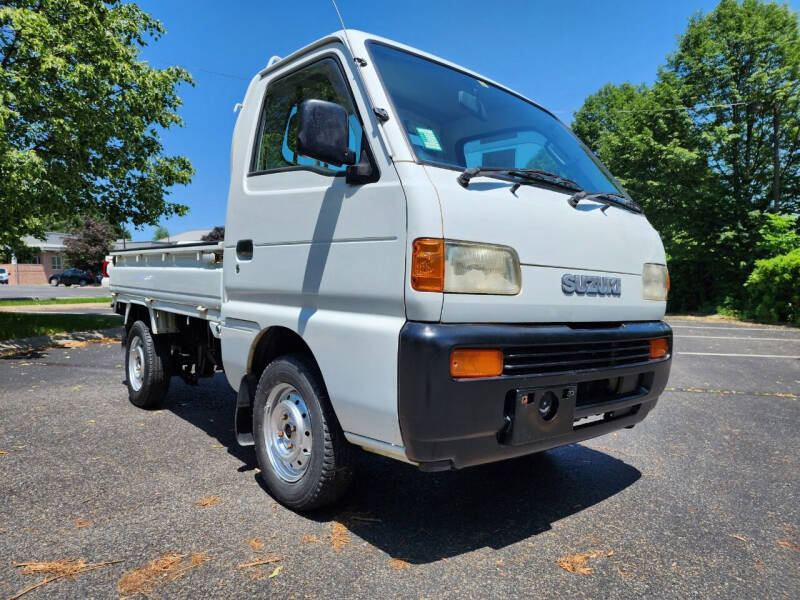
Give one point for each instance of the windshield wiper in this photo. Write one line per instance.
(528, 175)
(605, 198)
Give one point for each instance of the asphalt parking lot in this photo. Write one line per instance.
(698, 501)
(26, 292)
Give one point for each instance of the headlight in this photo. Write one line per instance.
(464, 268)
(480, 269)
(655, 282)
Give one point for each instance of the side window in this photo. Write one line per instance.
(276, 142)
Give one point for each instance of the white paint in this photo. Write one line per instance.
(723, 337)
(738, 355)
(740, 328)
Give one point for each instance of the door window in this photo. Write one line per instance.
(276, 143)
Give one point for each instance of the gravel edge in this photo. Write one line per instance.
(41, 342)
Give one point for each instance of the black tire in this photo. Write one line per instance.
(330, 467)
(155, 374)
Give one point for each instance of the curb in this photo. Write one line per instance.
(42, 342)
(48, 308)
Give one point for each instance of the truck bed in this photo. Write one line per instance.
(183, 279)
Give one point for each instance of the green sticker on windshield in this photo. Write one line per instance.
(429, 139)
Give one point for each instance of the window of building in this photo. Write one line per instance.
(56, 261)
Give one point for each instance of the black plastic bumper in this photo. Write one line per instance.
(451, 423)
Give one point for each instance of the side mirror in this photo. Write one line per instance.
(323, 132)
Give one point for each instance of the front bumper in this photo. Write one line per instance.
(451, 423)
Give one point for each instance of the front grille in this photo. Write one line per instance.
(546, 359)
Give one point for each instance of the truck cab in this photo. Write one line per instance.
(418, 261)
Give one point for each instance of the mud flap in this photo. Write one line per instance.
(244, 411)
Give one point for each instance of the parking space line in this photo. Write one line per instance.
(724, 337)
(733, 392)
(738, 355)
(741, 328)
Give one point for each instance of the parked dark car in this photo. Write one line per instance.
(72, 277)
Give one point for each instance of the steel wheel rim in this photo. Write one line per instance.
(136, 364)
(287, 432)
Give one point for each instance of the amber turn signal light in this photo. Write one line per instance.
(476, 362)
(658, 348)
(427, 265)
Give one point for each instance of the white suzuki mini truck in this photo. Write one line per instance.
(418, 261)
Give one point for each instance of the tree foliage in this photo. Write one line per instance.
(87, 246)
(696, 148)
(215, 235)
(161, 232)
(772, 289)
(81, 116)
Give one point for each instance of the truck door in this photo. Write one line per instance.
(313, 253)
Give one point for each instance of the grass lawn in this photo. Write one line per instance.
(22, 325)
(106, 299)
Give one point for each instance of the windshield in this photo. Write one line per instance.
(454, 119)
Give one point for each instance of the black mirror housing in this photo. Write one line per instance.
(323, 132)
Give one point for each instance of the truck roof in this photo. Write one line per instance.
(358, 39)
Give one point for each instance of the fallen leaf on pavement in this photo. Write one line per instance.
(311, 539)
(789, 545)
(261, 561)
(198, 558)
(576, 563)
(167, 567)
(398, 564)
(276, 571)
(82, 523)
(207, 501)
(340, 537)
(56, 569)
(256, 545)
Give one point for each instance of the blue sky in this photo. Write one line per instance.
(556, 52)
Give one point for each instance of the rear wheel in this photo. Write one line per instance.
(146, 366)
(305, 460)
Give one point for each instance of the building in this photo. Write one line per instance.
(185, 237)
(50, 257)
(49, 260)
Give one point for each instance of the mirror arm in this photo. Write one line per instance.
(363, 171)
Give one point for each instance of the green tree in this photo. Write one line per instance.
(215, 235)
(161, 232)
(698, 160)
(739, 71)
(87, 246)
(81, 116)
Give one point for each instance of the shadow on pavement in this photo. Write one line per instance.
(424, 517)
(209, 406)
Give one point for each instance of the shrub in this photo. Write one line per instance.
(772, 288)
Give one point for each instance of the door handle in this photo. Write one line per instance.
(244, 249)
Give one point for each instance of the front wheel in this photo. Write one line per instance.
(146, 366)
(305, 460)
